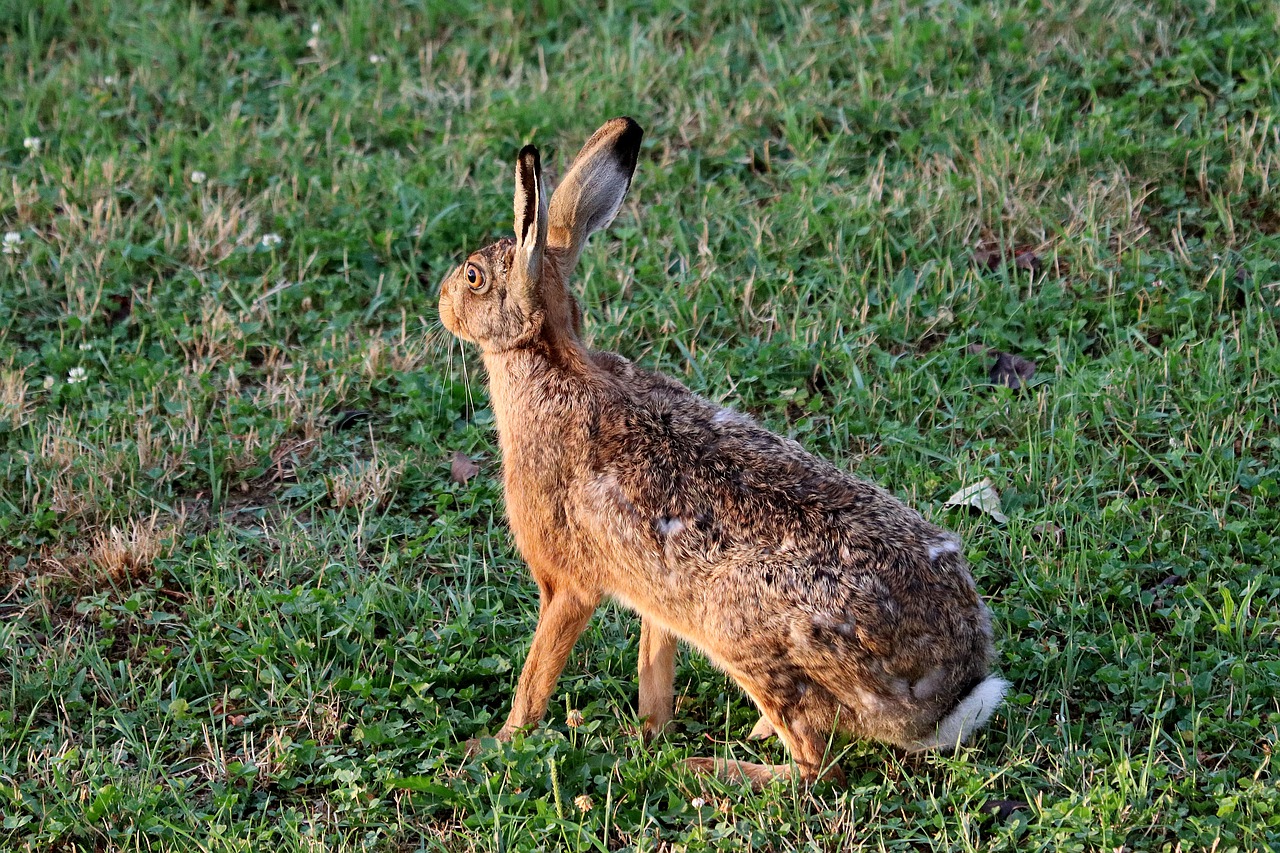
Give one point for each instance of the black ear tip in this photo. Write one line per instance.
(628, 142)
(632, 134)
(529, 154)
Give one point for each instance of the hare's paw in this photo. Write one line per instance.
(477, 745)
(763, 729)
(654, 726)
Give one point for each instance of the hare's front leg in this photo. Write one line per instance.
(657, 677)
(563, 614)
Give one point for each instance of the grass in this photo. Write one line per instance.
(245, 606)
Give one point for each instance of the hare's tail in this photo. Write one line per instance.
(970, 714)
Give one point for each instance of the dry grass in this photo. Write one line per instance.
(225, 221)
(242, 596)
(111, 559)
(291, 400)
(365, 484)
(76, 474)
(216, 338)
(125, 554)
(14, 406)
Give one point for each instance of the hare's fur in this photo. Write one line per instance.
(832, 604)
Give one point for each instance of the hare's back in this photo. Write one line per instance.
(716, 494)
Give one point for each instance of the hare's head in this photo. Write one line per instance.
(512, 293)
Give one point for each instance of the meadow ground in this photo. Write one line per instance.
(245, 602)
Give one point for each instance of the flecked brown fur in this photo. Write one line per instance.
(832, 604)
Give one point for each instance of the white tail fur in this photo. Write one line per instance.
(970, 715)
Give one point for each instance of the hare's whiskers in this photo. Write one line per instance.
(466, 376)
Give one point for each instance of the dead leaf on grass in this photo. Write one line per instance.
(1012, 370)
(990, 255)
(1047, 532)
(982, 497)
(462, 469)
(1009, 369)
(118, 308)
(1158, 591)
(350, 418)
(1026, 260)
(1002, 810)
(987, 256)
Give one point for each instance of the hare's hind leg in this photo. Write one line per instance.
(657, 677)
(803, 716)
(735, 772)
(809, 755)
(563, 615)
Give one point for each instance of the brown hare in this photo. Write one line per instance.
(832, 604)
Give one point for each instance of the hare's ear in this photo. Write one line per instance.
(592, 192)
(531, 223)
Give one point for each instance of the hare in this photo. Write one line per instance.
(832, 604)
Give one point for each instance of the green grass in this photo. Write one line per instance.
(244, 607)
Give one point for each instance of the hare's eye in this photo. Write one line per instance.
(475, 278)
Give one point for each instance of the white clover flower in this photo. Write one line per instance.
(315, 28)
(583, 802)
(109, 80)
(697, 802)
(86, 347)
(48, 382)
(32, 144)
(574, 718)
(270, 241)
(76, 374)
(198, 177)
(12, 242)
(376, 59)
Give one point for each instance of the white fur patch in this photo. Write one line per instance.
(609, 505)
(970, 715)
(606, 490)
(928, 684)
(873, 703)
(844, 627)
(607, 484)
(825, 621)
(945, 545)
(670, 526)
(724, 416)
